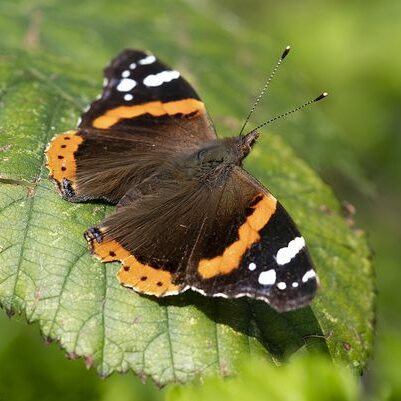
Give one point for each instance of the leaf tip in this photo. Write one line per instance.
(10, 312)
(89, 362)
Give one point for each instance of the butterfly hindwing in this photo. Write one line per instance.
(134, 273)
(153, 229)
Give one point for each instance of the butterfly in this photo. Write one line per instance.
(188, 216)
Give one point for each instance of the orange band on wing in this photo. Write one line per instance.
(60, 156)
(142, 278)
(248, 234)
(156, 108)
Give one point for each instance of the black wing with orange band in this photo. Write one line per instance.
(266, 259)
(145, 112)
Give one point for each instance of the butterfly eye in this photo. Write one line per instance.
(211, 157)
(202, 154)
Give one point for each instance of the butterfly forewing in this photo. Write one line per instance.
(266, 258)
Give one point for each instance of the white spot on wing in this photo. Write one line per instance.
(128, 97)
(161, 78)
(147, 60)
(295, 284)
(285, 254)
(267, 277)
(132, 66)
(126, 85)
(126, 74)
(308, 275)
(281, 285)
(252, 266)
(105, 82)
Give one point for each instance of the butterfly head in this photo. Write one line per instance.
(240, 147)
(248, 140)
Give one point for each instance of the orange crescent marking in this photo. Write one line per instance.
(142, 278)
(156, 108)
(60, 156)
(248, 234)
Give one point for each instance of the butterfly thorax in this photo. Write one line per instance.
(217, 158)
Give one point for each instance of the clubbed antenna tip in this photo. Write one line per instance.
(287, 113)
(320, 97)
(285, 52)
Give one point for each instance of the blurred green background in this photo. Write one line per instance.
(353, 138)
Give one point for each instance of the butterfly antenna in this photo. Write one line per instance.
(320, 97)
(263, 91)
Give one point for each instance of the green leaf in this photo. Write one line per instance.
(306, 379)
(47, 273)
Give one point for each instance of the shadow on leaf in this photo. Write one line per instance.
(282, 334)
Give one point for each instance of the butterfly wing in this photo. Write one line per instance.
(145, 111)
(233, 241)
(268, 259)
(152, 233)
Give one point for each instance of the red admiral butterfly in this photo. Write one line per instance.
(188, 215)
